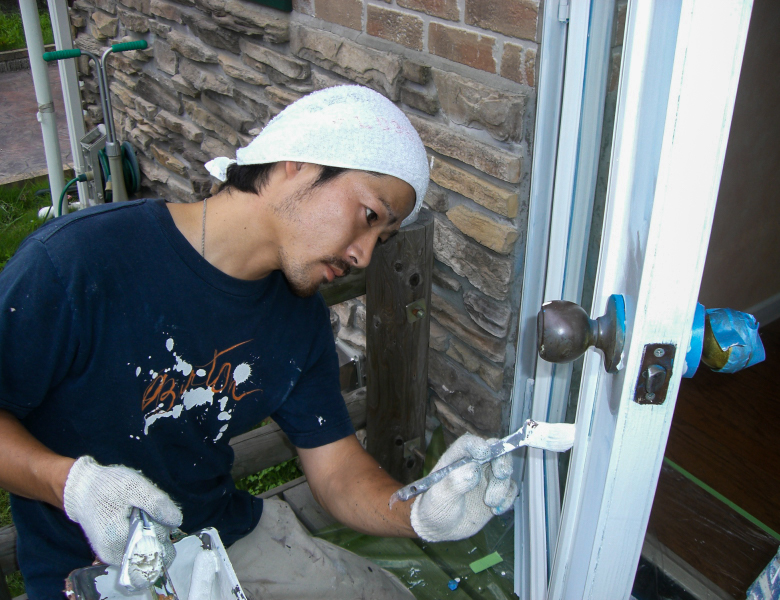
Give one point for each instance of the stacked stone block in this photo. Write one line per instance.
(463, 71)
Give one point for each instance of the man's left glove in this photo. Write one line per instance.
(100, 499)
(464, 501)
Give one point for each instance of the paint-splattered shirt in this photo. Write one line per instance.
(120, 341)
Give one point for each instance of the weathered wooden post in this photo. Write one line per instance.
(398, 299)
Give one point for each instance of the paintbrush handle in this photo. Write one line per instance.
(496, 449)
(423, 485)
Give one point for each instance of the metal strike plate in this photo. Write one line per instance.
(415, 310)
(652, 383)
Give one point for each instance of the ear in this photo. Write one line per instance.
(292, 169)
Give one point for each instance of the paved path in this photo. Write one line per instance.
(21, 140)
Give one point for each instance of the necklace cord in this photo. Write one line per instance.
(203, 232)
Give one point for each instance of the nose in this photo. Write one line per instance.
(360, 251)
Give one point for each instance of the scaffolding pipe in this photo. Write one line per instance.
(71, 94)
(40, 75)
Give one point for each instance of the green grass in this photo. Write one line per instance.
(12, 31)
(19, 216)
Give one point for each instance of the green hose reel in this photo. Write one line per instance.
(130, 170)
(114, 155)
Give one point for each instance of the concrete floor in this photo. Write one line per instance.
(21, 142)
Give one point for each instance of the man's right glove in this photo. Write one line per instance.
(464, 501)
(100, 499)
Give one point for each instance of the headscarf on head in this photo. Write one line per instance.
(350, 127)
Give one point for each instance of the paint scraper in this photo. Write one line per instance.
(554, 437)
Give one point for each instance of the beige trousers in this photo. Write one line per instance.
(279, 560)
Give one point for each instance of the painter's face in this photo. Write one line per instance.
(336, 225)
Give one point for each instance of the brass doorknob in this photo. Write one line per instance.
(564, 332)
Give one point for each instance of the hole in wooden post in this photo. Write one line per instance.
(399, 441)
(410, 463)
(398, 266)
(414, 280)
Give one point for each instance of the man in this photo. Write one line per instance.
(138, 338)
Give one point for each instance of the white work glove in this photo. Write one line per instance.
(464, 501)
(100, 499)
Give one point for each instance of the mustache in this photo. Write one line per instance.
(340, 264)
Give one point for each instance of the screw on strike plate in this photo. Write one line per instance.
(659, 352)
(415, 310)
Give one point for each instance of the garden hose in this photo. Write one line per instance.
(118, 156)
(130, 170)
(64, 193)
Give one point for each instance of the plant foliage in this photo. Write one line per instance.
(270, 478)
(19, 216)
(12, 31)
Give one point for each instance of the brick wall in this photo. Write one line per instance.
(463, 71)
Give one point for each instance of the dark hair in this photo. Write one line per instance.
(252, 178)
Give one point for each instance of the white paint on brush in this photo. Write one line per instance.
(555, 437)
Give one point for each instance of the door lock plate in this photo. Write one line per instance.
(655, 373)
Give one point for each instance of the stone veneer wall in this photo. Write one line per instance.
(463, 71)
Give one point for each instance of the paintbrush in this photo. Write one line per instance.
(555, 437)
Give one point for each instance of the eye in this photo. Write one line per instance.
(371, 216)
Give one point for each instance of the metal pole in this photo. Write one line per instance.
(40, 75)
(71, 93)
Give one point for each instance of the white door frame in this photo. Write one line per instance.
(668, 153)
(660, 203)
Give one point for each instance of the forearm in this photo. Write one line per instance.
(358, 494)
(28, 468)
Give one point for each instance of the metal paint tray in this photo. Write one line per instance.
(100, 582)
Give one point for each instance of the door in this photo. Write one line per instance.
(623, 191)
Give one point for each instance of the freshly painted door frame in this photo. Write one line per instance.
(675, 103)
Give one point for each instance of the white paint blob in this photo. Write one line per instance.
(197, 397)
(242, 373)
(222, 430)
(175, 412)
(182, 365)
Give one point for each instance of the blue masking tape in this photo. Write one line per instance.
(767, 585)
(738, 332)
(695, 348)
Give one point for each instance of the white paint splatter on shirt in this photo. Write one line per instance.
(175, 412)
(197, 397)
(242, 373)
(221, 431)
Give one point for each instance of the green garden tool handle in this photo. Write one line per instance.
(125, 46)
(60, 54)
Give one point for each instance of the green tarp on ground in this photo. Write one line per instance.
(426, 568)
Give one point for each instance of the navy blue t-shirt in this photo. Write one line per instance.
(118, 340)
